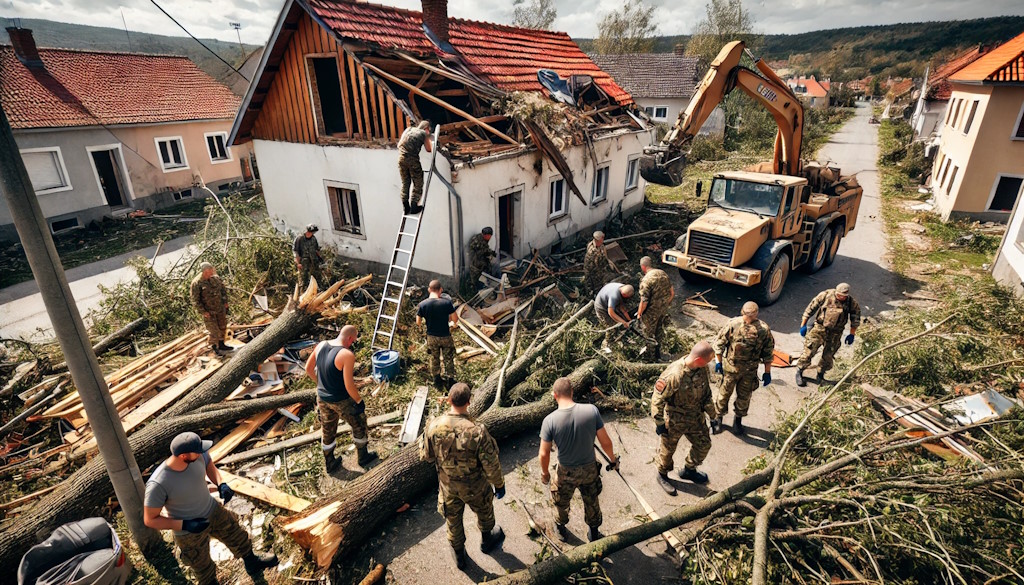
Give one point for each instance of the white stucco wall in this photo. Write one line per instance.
(1008, 267)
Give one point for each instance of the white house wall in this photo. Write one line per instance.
(1008, 267)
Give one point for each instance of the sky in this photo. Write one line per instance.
(210, 18)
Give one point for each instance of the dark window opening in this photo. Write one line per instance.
(64, 224)
(1006, 193)
(327, 85)
(345, 210)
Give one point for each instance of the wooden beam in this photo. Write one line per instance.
(445, 128)
(263, 493)
(451, 92)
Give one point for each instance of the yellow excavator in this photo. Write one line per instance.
(763, 222)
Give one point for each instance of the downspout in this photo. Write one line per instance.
(455, 234)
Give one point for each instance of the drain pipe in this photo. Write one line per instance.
(457, 232)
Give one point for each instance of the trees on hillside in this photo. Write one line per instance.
(724, 21)
(629, 30)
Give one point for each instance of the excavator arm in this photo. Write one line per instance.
(664, 164)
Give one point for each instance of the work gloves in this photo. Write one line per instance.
(195, 525)
(499, 492)
(360, 407)
(803, 331)
(849, 339)
(766, 378)
(226, 493)
(614, 465)
(660, 429)
(719, 369)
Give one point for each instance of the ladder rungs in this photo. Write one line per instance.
(383, 316)
(393, 283)
(400, 267)
(403, 251)
(407, 233)
(391, 300)
(384, 333)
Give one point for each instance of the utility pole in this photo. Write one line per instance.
(238, 29)
(17, 190)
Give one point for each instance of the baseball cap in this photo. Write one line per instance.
(205, 265)
(189, 443)
(312, 228)
(488, 231)
(843, 288)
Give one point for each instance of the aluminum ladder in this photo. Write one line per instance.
(401, 263)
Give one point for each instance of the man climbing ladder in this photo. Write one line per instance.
(409, 164)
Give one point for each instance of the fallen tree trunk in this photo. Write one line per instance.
(103, 346)
(86, 491)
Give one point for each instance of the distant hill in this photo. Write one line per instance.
(49, 33)
(900, 50)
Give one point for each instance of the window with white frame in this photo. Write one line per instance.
(557, 204)
(1006, 192)
(46, 170)
(945, 171)
(1018, 132)
(346, 213)
(632, 173)
(970, 116)
(649, 110)
(660, 112)
(599, 191)
(216, 145)
(172, 153)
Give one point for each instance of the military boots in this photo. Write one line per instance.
(716, 425)
(459, 556)
(820, 378)
(255, 563)
(737, 425)
(694, 475)
(331, 462)
(666, 485)
(800, 378)
(365, 455)
(491, 539)
(594, 534)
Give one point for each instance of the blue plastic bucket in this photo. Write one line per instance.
(385, 364)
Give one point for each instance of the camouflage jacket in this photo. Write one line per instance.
(479, 250)
(462, 450)
(306, 249)
(744, 345)
(411, 141)
(656, 289)
(596, 260)
(209, 295)
(686, 396)
(833, 313)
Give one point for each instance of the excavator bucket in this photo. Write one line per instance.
(669, 174)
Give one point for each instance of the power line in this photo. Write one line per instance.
(212, 52)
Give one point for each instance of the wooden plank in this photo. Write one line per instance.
(364, 102)
(393, 118)
(296, 83)
(382, 108)
(477, 337)
(238, 436)
(287, 82)
(353, 87)
(263, 493)
(278, 429)
(413, 417)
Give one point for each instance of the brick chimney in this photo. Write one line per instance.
(435, 17)
(679, 49)
(25, 46)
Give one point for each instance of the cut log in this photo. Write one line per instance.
(263, 493)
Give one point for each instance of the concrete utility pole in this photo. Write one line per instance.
(74, 339)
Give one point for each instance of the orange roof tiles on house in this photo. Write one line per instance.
(812, 87)
(901, 87)
(1004, 63)
(826, 84)
(89, 88)
(939, 88)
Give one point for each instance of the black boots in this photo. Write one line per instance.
(800, 378)
(254, 564)
(820, 378)
(693, 475)
(365, 455)
(716, 425)
(491, 539)
(415, 208)
(438, 383)
(563, 532)
(737, 425)
(459, 556)
(225, 347)
(594, 534)
(331, 462)
(405, 206)
(666, 484)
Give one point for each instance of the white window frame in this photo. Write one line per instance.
(130, 195)
(184, 155)
(655, 115)
(227, 149)
(63, 169)
(632, 162)
(995, 185)
(1013, 131)
(945, 172)
(564, 212)
(938, 167)
(328, 185)
(649, 110)
(607, 168)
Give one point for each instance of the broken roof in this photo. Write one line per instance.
(653, 75)
(1002, 64)
(939, 88)
(89, 88)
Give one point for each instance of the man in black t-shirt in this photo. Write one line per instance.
(439, 313)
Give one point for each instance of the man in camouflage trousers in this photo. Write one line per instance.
(656, 294)
(466, 457)
(307, 256)
(744, 342)
(409, 167)
(596, 266)
(480, 254)
(834, 307)
(439, 314)
(682, 398)
(210, 297)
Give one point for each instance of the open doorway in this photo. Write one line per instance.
(108, 166)
(508, 230)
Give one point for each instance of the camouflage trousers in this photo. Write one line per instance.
(194, 549)
(331, 412)
(477, 268)
(411, 172)
(585, 478)
(828, 340)
(695, 431)
(441, 348)
(653, 325)
(217, 326)
(742, 379)
(311, 269)
(452, 501)
(606, 322)
(593, 281)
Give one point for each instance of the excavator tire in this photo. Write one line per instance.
(833, 248)
(773, 281)
(819, 254)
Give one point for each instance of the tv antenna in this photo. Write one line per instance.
(238, 29)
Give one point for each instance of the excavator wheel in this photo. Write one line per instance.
(819, 254)
(773, 281)
(833, 248)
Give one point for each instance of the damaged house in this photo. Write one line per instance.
(340, 81)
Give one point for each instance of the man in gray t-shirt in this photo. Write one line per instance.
(610, 308)
(409, 168)
(573, 428)
(178, 486)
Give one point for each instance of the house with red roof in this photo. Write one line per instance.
(813, 92)
(935, 92)
(103, 133)
(538, 162)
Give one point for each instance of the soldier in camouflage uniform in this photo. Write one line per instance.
(596, 266)
(210, 298)
(745, 341)
(307, 256)
(656, 294)
(480, 254)
(466, 457)
(833, 307)
(682, 397)
(409, 167)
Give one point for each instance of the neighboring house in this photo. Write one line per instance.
(979, 169)
(102, 133)
(935, 92)
(1008, 267)
(811, 90)
(339, 82)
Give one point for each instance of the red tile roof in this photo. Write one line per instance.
(1004, 63)
(87, 88)
(939, 88)
(898, 88)
(506, 56)
(813, 88)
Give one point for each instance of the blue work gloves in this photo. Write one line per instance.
(766, 378)
(226, 493)
(195, 525)
(499, 492)
(718, 368)
(803, 331)
(360, 407)
(660, 430)
(849, 339)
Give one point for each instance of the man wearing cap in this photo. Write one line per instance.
(331, 365)
(744, 342)
(307, 256)
(466, 458)
(656, 294)
(210, 297)
(409, 167)
(439, 313)
(480, 254)
(596, 266)
(178, 486)
(834, 307)
(610, 308)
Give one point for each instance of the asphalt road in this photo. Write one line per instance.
(414, 546)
